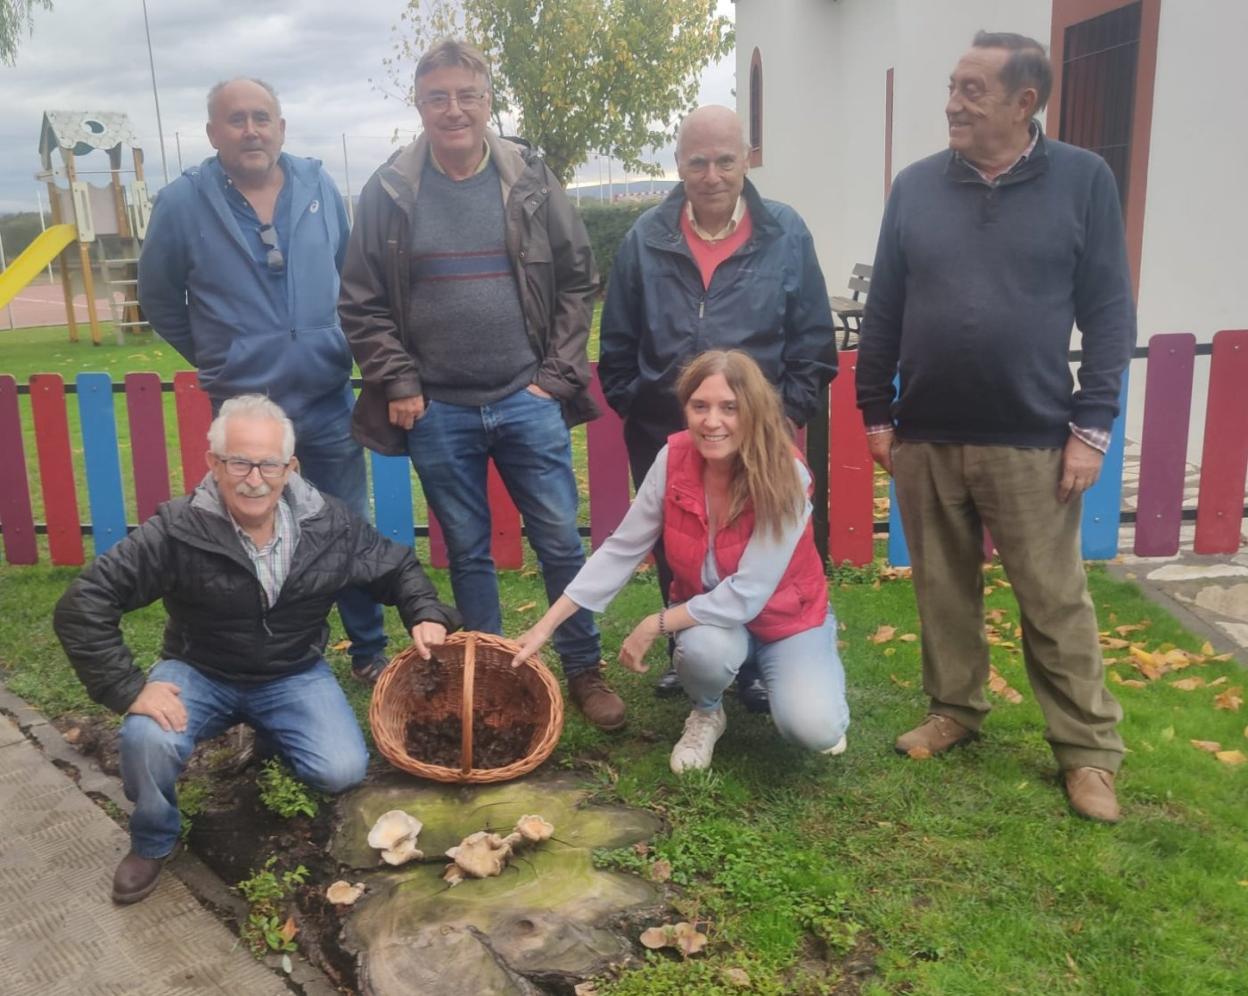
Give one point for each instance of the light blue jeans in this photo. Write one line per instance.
(304, 716)
(526, 436)
(803, 674)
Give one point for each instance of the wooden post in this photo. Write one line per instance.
(67, 284)
(84, 256)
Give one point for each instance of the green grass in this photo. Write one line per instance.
(958, 875)
(967, 872)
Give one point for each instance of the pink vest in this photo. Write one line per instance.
(800, 601)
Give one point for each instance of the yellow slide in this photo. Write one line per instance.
(33, 259)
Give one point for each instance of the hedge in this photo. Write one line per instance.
(607, 225)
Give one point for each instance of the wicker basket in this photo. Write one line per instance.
(473, 673)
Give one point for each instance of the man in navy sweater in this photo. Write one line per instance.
(988, 254)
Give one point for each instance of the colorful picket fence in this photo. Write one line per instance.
(849, 524)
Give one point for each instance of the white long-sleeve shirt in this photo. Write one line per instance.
(730, 601)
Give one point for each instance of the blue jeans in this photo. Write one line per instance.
(304, 716)
(450, 446)
(803, 673)
(333, 462)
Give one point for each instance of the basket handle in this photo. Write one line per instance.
(465, 708)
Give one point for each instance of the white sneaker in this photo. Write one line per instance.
(837, 748)
(696, 745)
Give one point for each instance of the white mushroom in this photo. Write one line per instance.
(391, 828)
(404, 850)
(481, 854)
(344, 893)
(534, 829)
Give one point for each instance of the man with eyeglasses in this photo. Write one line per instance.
(239, 273)
(248, 566)
(715, 266)
(466, 295)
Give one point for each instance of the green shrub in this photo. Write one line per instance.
(266, 892)
(607, 225)
(283, 793)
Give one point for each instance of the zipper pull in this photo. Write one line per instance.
(702, 307)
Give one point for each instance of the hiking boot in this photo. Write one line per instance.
(593, 696)
(1091, 794)
(367, 670)
(696, 745)
(936, 734)
(135, 878)
(668, 684)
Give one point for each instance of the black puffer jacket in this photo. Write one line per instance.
(219, 622)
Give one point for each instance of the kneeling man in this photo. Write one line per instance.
(248, 566)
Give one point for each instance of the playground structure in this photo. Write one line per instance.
(110, 218)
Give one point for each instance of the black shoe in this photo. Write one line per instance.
(668, 684)
(752, 690)
(135, 878)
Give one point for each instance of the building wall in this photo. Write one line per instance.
(824, 68)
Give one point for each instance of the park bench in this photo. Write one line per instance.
(847, 311)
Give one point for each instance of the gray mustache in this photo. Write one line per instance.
(253, 491)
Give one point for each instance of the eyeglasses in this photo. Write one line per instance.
(270, 470)
(268, 235)
(468, 100)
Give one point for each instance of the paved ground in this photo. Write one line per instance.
(41, 303)
(60, 932)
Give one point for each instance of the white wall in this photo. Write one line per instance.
(824, 64)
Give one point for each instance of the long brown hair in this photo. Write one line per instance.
(765, 476)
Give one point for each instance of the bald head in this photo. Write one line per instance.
(711, 122)
(712, 160)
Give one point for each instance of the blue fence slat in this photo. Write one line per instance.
(898, 554)
(1103, 500)
(392, 493)
(101, 460)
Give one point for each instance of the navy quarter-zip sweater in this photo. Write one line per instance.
(974, 293)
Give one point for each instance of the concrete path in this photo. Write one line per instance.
(60, 932)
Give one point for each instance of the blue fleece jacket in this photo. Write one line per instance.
(205, 293)
(974, 294)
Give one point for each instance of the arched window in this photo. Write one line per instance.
(756, 109)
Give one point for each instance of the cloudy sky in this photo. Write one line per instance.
(320, 55)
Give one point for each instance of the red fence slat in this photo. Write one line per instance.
(56, 468)
(1163, 443)
(608, 468)
(16, 515)
(1224, 459)
(850, 472)
(505, 522)
(194, 410)
(147, 442)
(438, 557)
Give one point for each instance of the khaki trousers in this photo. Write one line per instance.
(947, 493)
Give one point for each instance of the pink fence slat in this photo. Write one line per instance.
(608, 468)
(15, 512)
(147, 442)
(505, 546)
(194, 410)
(505, 522)
(438, 556)
(1224, 459)
(56, 468)
(850, 472)
(1163, 443)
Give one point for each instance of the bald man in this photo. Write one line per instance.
(715, 266)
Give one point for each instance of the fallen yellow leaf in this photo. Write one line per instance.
(1230, 700)
(1188, 684)
(526, 606)
(341, 645)
(1211, 746)
(1113, 643)
(901, 683)
(1001, 687)
(908, 637)
(1118, 679)
(1231, 756)
(1145, 663)
(889, 651)
(918, 753)
(883, 634)
(1218, 681)
(289, 929)
(1129, 628)
(1206, 648)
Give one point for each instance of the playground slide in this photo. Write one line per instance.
(33, 259)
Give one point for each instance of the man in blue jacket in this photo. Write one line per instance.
(715, 266)
(239, 273)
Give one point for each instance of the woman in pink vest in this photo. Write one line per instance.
(730, 498)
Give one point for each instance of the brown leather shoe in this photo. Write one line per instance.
(135, 878)
(1091, 794)
(935, 735)
(594, 698)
